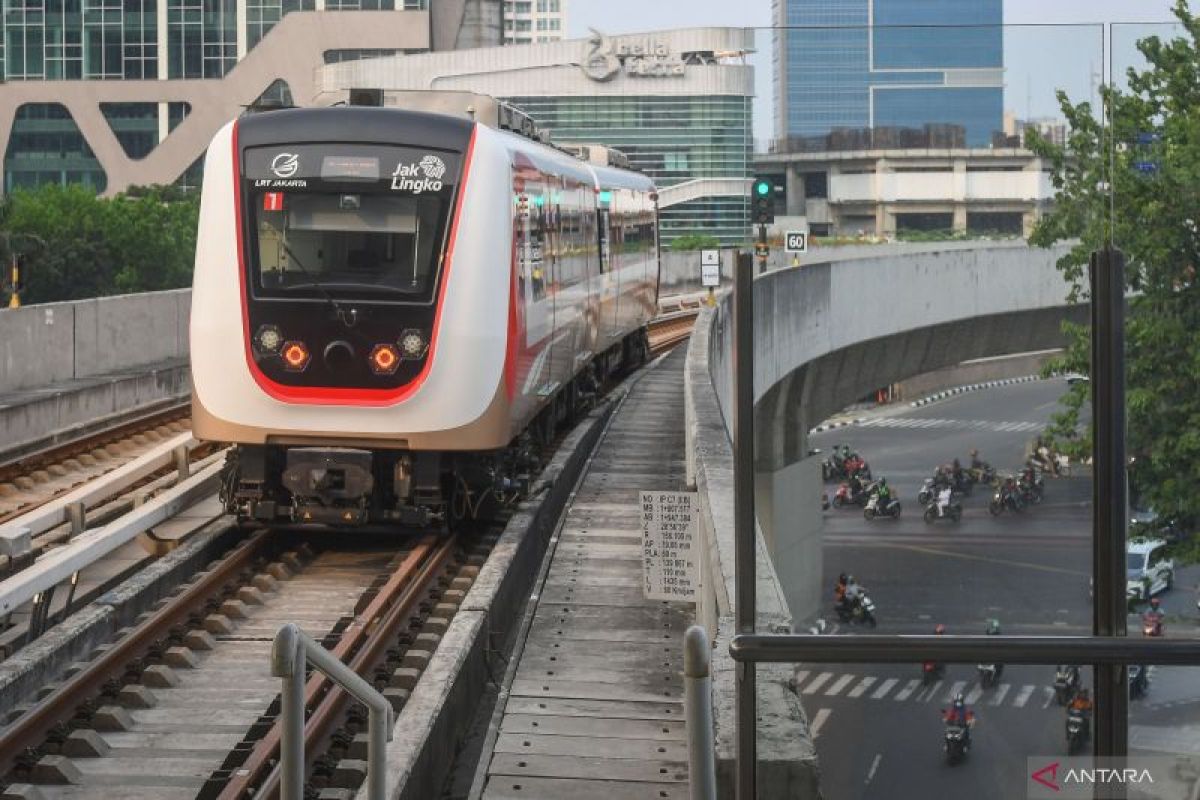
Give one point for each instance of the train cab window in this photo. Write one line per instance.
(349, 244)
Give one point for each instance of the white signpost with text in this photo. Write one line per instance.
(670, 546)
(710, 268)
(796, 242)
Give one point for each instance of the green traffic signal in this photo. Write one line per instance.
(762, 187)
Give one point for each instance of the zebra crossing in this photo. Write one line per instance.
(952, 424)
(815, 684)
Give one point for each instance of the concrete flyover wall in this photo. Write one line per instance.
(56, 342)
(786, 753)
(826, 334)
(67, 367)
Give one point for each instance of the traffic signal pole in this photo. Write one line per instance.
(14, 299)
(762, 249)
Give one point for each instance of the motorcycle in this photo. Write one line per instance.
(1006, 497)
(953, 513)
(857, 465)
(956, 742)
(931, 671)
(1078, 730)
(1032, 491)
(928, 492)
(842, 468)
(847, 497)
(989, 674)
(860, 610)
(872, 510)
(1152, 624)
(1139, 681)
(982, 474)
(1066, 684)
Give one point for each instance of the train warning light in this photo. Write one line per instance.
(295, 356)
(384, 359)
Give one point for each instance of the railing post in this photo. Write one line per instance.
(291, 651)
(697, 700)
(287, 662)
(1108, 492)
(743, 519)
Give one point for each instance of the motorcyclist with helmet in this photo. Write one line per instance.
(959, 716)
(1082, 703)
(1152, 619)
(839, 593)
(943, 500)
(856, 486)
(883, 493)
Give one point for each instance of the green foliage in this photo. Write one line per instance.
(1154, 219)
(695, 241)
(907, 235)
(78, 245)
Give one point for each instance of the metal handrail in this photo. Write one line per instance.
(292, 649)
(781, 648)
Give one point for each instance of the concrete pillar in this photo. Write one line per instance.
(794, 186)
(885, 220)
(1029, 222)
(960, 217)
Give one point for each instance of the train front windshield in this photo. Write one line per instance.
(347, 242)
(348, 221)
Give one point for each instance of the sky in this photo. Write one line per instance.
(1038, 60)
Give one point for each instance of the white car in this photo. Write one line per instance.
(1148, 569)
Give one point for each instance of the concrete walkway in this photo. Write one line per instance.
(596, 707)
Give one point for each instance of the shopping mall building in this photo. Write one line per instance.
(677, 103)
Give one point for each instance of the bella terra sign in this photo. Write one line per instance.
(638, 58)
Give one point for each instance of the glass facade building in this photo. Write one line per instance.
(854, 65)
(671, 138)
(46, 40)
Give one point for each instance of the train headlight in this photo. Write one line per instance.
(384, 359)
(413, 344)
(295, 356)
(268, 338)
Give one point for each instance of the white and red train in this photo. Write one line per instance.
(390, 308)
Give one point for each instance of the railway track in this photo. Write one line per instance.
(33, 479)
(183, 705)
(669, 330)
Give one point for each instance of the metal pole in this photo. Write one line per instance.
(743, 518)
(380, 724)
(1108, 492)
(287, 662)
(697, 705)
(762, 253)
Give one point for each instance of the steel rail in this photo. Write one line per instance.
(362, 644)
(31, 728)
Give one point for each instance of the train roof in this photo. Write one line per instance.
(355, 124)
(614, 178)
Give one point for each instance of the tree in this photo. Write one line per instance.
(695, 241)
(1105, 189)
(78, 245)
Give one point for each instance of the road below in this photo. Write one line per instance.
(878, 730)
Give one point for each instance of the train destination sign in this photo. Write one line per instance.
(670, 545)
